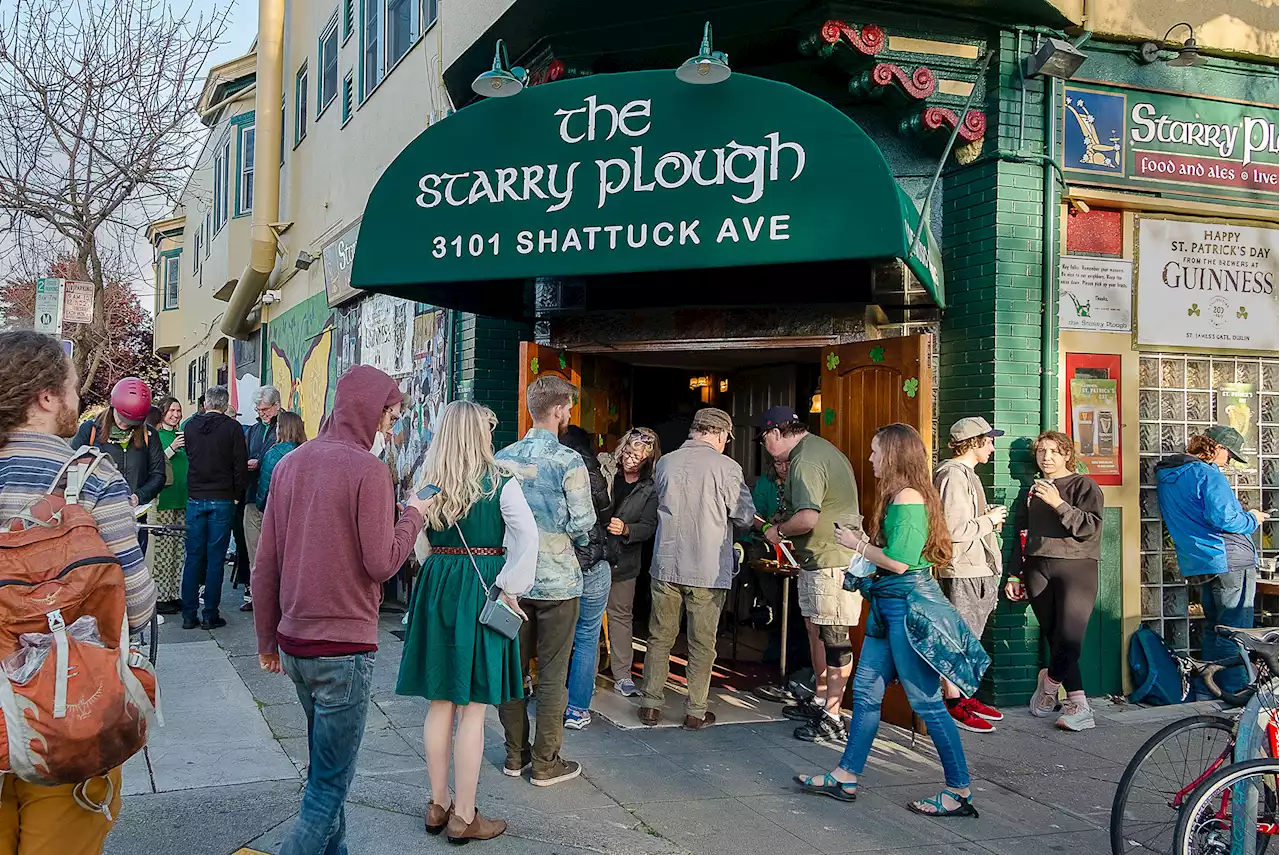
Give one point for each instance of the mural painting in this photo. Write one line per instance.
(246, 366)
(301, 357)
(386, 334)
(426, 390)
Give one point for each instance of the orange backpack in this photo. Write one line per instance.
(76, 701)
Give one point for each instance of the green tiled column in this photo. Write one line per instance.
(486, 361)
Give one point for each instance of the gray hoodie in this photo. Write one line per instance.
(975, 550)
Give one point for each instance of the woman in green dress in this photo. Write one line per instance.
(168, 553)
(479, 525)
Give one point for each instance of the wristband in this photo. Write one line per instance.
(766, 527)
(1017, 579)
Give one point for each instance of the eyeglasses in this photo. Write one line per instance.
(639, 438)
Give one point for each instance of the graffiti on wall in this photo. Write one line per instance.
(386, 334)
(426, 390)
(301, 360)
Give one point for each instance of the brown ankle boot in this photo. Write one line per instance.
(479, 828)
(437, 817)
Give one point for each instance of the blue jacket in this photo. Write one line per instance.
(934, 627)
(265, 467)
(1198, 506)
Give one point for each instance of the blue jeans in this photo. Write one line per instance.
(881, 660)
(208, 532)
(334, 691)
(586, 636)
(1228, 601)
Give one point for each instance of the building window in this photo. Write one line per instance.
(371, 47)
(203, 377)
(244, 192)
(430, 11)
(402, 28)
(328, 89)
(348, 18)
(172, 273)
(300, 105)
(195, 256)
(191, 382)
(348, 95)
(208, 231)
(221, 182)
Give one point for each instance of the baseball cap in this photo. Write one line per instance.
(710, 417)
(1229, 438)
(776, 417)
(972, 426)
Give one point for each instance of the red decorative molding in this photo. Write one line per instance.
(920, 84)
(974, 126)
(868, 40)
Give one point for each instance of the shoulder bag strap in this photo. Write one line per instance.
(488, 592)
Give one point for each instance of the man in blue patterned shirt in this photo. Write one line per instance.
(555, 483)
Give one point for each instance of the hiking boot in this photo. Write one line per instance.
(575, 720)
(966, 719)
(981, 710)
(825, 730)
(559, 771)
(803, 711)
(1042, 703)
(460, 831)
(626, 687)
(517, 764)
(216, 623)
(1075, 716)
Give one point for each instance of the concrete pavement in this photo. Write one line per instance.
(227, 770)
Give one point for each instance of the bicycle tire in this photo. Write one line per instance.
(1228, 776)
(1124, 839)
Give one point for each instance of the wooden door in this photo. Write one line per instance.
(603, 405)
(864, 387)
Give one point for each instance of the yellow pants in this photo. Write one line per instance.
(36, 820)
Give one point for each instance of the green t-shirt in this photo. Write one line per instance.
(821, 480)
(767, 498)
(906, 529)
(174, 496)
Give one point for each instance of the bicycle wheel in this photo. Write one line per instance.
(1236, 801)
(1160, 776)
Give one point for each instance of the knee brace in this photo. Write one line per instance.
(840, 657)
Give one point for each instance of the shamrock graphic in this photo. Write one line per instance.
(877, 354)
(564, 362)
(613, 409)
(533, 365)
(911, 387)
(832, 361)
(600, 440)
(1194, 310)
(828, 416)
(1242, 313)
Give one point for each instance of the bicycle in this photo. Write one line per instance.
(153, 629)
(1182, 756)
(1235, 810)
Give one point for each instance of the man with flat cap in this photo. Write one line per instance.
(702, 499)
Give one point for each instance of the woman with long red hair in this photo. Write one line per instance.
(913, 633)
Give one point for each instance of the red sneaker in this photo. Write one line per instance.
(981, 710)
(966, 720)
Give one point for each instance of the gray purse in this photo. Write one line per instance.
(496, 615)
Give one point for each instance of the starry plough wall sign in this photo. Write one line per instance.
(911, 387)
(877, 354)
(832, 361)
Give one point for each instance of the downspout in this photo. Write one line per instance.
(1049, 262)
(266, 178)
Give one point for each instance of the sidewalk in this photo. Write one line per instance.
(226, 772)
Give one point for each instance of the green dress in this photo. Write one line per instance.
(448, 655)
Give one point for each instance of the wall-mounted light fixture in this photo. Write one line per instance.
(709, 66)
(501, 81)
(696, 383)
(724, 385)
(304, 260)
(1056, 58)
(1188, 56)
(815, 403)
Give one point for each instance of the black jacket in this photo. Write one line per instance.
(216, 456)
(639, 510)
(593, 553)
(142, 468)
(258, 439)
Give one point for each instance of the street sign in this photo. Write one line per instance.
(48, 306)
(77, 302)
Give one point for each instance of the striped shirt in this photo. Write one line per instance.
(29, 463)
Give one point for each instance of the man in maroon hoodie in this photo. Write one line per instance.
(329, 542)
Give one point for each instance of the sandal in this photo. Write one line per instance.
(841, 791)
(965, 808)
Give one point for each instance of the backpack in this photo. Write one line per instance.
(1158, 675)
(76, 701)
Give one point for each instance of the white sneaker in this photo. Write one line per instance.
(1042, 703)
(1075, 717)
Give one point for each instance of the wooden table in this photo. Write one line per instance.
(1268, 586)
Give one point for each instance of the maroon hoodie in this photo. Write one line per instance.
(329, 537)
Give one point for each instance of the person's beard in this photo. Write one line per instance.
(65, 424)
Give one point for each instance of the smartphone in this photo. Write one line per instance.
(428, 491)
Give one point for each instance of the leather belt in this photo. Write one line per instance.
(475, 550)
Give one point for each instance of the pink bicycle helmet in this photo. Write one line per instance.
(131, 399)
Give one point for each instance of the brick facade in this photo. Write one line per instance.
(486, 356)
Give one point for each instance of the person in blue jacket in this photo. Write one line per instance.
(1213, 536)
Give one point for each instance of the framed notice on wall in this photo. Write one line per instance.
(1093, 414)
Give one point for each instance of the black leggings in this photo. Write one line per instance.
(1062, 593)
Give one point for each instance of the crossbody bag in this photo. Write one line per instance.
(496, 615)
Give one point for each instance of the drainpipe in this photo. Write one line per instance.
(266, 178)
(1049, 261)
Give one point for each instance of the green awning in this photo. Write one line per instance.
(631, 173)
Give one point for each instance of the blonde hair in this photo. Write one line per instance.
(548, 392)
(460, 462)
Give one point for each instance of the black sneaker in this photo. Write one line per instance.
(169, 607)
(216, 623)
(825, 730)
(803, 711)
(190, 623)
